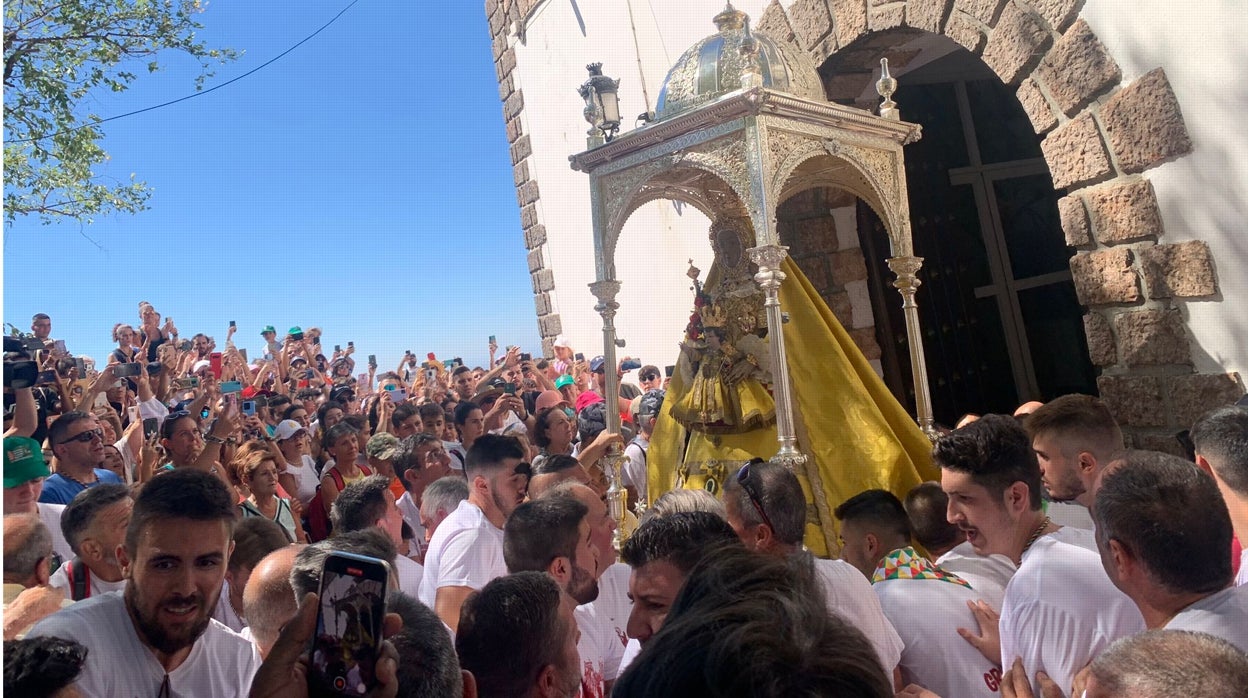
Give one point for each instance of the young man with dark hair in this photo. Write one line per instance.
(467, 550)
(420, 461)
(767, 509)
(1074, 437)
(305, 573)
(427, 662)
(77, 441)
(254, 537)
(369, 503)
(160, 634)
(1164, 535)
(1221, 442)
(925, 604)
(94, 523)
(927, 507)
(518, 638)
(1059, 609)
(406, 420)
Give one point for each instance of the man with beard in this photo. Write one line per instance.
(466, 552)
(1074, 438)
(157, 638)
(78, 444)
(554, 535)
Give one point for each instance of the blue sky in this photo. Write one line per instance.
(361, 184)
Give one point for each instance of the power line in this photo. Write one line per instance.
(200, 93)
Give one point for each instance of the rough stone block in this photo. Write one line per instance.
(1135, 401)
(514, 130)
(1151, 337)
(505, 88)
(864, 338)
(964, 30)
(1078, 69)
(550, 325)
(527, 193)
(1182, 270)
(491, 6)
(774, 23)
(534, 236)
(986, 11)
(536, 262)
(1074, 221)
(811, 21)
(843, 86)
(1037, 107)
(1058, 13)
(1075, 153)
(1105, 277)
(541, 303)
(1191, 396)
(851, 20)
(498, 22)
(1016, 44)
(848, 266)
(543, 280)
(886, 17)
(1144, 124)
(521, 149)
(1125, 212)
(498, 44)
(513, 105)
(520, 173)
(1166, 443)
(528, 217)
(1101, 346)
(506, 63)
(816, 271)
(814, 235)
(928, 15)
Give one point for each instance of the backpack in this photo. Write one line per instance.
(79, 576)
(318, 524)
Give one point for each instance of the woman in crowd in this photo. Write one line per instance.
(342, 444)
(258, 472)
(553, 434)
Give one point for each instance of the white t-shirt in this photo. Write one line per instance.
(607, 618)
(225, 613)
(1224, 615)
(466, 551)
(50, 515)
(596, 640)
(633, 472)
(411, 514)
(1241, 579)
(410, 573)
(1070, 514)
(1061, 611)
(95, 587)
(849, 595)
(221, 663)
(306, 480)
(927, 614)
(987, 574)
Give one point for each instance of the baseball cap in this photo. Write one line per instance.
(549, 398)
(595, 364)
(286, 429)
(563, 381)
(23, 461)
(296, 330)
(382, 446)
(200, 365)
(586, 399)
(561, 342)
(651, 403)
(267, 329)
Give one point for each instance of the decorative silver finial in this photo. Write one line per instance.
(750, 74)
(886, 86)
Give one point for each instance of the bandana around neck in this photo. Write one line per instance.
(905, 563)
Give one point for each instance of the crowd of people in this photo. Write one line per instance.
(170, 518)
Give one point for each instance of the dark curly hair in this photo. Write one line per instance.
(995, 451)
(41, 666)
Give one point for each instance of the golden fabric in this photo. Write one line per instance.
(715, 405)
(854, 433)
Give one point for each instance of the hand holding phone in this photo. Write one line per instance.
(348, 640)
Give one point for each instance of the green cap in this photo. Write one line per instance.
(296, 330)
(267, 329)
(23, 461)
(564, 380)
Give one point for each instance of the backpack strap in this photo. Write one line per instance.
(79, 579)
(337, 477)
(366, 470)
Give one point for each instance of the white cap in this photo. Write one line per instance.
(562, 341)
(286, 429)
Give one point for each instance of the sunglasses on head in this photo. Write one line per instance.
(743, 479)
(86, 437)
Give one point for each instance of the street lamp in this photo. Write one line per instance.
(602, 105)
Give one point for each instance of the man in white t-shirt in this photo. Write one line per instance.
(1059, 609)
(1074, 438)
(925, 604)
(94, 524)
(1221, 441)
(420, 461)
(369, 503)
(159, 633)
(926, 507)
(767, 509)
(553, 535)
(1165, 540)
(466, 552)
(633, 473)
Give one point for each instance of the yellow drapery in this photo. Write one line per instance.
(854, 433)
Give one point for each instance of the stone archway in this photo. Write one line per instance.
(1098, 137)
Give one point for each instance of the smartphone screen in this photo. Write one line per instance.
(669, 370)
(46, 378)
(228, 387)
(214, 364)
(151, 426)
(509, 388)
(127, 370)
(58, 346)
(132, 414)
(348, 624)
(579, 356)
(397, 396)
(232, 324)
(249, 408)
(372, 360)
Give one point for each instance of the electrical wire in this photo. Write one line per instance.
(196, 94)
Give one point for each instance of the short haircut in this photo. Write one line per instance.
(749, 624)
(406, 459)
(514, 617)
(538, 532)
(879, 508)
(463, 410)
(336, 432)
(27, 541)
(292, 409)
(1083, 422)
(81, 511)
(648, 372)
(427, 662)
(928, 508)
(58, 428)
(41, 666)
(248, 458)
(557, 463)
(1221, 436)
(1169, 515)
(402, 412)
(488, 453)
(1167, 663)
(254, 538)
(431, 411)
(995, 451)
(681, 539)
(182, 494)
(360, 504)
(541, 435)
(276, 402)
(39, 316)
(676, 501)
(325, 408)
(445, 494)
(305, 575)
(268, 602)
(779, 494)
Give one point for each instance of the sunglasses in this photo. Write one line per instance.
(743, 479)
(86, 437)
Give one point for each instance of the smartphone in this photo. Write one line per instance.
(46, 378)
(127, 370)
(154, 368)
(337, 348)
(509, 388)
(81, 365)
(232, 324)
(249, 408)
(526, 357)
(58, 346)
(297, 336)
(351, 344)
(669, 370)
(630, 365)
(191, 381)
(493, 340)
(579, 356)
(348, 623)
(132, 415)
(307, 375)
(214, 364)
(431, 375)
(372, 360)
(228, 387)
(398, 395)
(151, 427)
(203, 414)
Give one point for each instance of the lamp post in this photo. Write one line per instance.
(602, 106)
